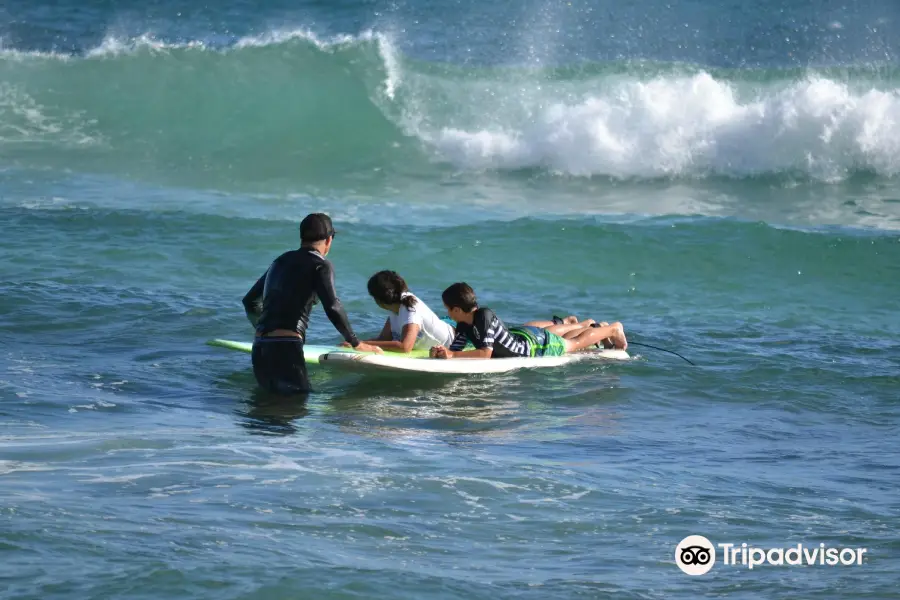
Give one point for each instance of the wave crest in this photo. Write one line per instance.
(292, 106)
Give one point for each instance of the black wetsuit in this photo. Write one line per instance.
(282, 299)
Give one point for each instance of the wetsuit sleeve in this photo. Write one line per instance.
(459, 342)
(332, 305)
(253, 300)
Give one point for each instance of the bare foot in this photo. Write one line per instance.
(607, 342)
(618, 338)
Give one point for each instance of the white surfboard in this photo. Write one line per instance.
(311, 352)
(369, 363)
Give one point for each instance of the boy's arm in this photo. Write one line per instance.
(485, 352)
(456, 349)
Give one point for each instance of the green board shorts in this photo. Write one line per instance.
(540, 341)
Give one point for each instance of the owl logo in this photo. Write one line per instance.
(695, 555)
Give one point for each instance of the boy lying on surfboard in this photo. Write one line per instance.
(492, 339)
(413, 325)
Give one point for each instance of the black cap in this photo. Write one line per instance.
(316, 227)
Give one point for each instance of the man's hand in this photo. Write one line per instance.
(364, 347)
(440, 352)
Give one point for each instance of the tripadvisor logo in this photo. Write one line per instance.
(696, 555)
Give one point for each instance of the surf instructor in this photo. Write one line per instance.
(279, 303)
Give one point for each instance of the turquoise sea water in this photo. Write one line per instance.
(720, 177)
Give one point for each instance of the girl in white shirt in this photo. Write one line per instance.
(412, 325)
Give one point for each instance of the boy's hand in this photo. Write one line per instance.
(440, 352)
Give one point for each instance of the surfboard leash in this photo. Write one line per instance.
(662, 350)
(558, 320)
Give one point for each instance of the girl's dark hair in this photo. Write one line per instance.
(387, 287)
(460, 295)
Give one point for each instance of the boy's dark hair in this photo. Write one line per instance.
(460, 295)
(387, 287)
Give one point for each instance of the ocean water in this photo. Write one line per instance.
(722, 177)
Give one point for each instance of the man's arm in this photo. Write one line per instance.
(332, 305)
(253, 300)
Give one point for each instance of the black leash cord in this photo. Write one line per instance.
(662, 350)
(558, 321)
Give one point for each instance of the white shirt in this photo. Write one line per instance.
(432, 331)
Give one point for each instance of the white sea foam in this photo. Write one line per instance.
(690, 126)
